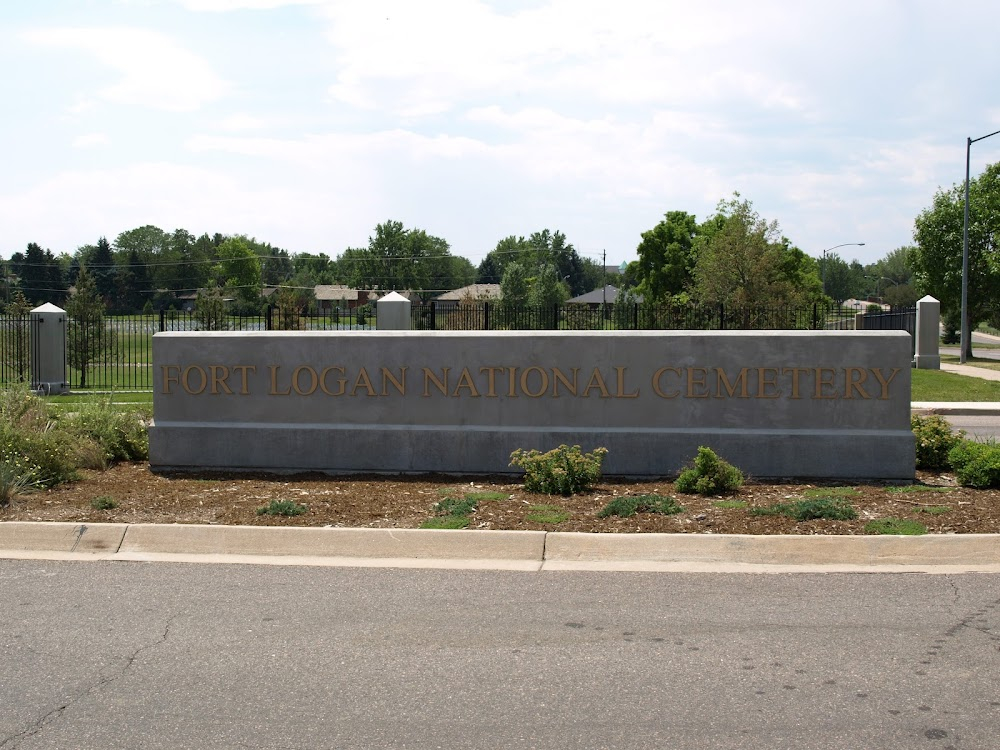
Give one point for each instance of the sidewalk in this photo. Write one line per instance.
(962, 408)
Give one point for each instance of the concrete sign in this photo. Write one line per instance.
(777, 404)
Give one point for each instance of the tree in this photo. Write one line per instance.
(666, 257)
(548, 289)
(743, 261)
(514, 286)
(937, 258)
(101, 266)
(41, 276)
(17, 329)
(210, 310)
(87, 339)
(239, 269)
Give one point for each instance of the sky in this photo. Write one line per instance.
(305, 123)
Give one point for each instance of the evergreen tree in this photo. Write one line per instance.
(88, 340)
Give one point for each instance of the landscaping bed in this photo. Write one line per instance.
(129, 492)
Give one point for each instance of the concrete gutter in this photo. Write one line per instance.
(498, 550)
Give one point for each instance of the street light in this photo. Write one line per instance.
(844, 244)
(965, 251)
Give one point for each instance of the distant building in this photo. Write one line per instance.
(473, 292)
(598, 297)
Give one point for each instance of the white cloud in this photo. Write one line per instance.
(220, 6)
(155, 71)
(91, 140)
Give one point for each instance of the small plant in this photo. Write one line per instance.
(899, 526)
(710, 475)
(629, 505)
(828, 508)
(933, 510)
(561, 471)
(13, 481)
(976, 464)
(831, 492)
(481, 497)
(104, 502)
(456, 506)
(909, 488)
(454, 512)
(282, 508)
(934, 439)
(730, 504)
(547, 514)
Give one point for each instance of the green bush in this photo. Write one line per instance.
(561, 471)
(934, 439)
(710, 475)
(121, 435)
(976, 464)
(628, 506)
(104, 502)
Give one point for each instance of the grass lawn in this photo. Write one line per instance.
(937, 385)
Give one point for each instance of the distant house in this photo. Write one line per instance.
(606, 295)
(341, 296)
(473, 292)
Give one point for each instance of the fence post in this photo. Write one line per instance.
(722, 317)
(815, 316)
(486, 315)
(48, 350)
(392, 312)
(268, 322)
(433, 315)
(555, 317)
(163, 320)
(928, 334)
(635, 316)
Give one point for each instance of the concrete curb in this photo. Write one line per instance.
(498, 550)
(958, 409)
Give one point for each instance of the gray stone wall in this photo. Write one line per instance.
(777, 404)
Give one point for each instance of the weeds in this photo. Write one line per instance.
(827, 508)
(104, 502)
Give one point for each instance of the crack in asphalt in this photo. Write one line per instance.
(43, 721)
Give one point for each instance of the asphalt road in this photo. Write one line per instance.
(979, 427)
(157, 655)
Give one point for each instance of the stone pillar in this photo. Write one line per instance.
(393, 313)
(928, 335)
(48, 350)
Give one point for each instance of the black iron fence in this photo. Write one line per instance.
(115, 352)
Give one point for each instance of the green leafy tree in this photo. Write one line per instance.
(88, 339)
(514, 286)
(548, 289)
(937, 258)
(210, 310)
(239, 269)
(744, 262)
(666, 257)
(16, 350)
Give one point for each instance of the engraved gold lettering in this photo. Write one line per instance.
(313, 380)
(877, 372)
(658, 376)
(440, 384)
(219, 374)
(795, 373)
(512, 382)
(824, 382)
(722, 382)
(274, 382)
(543, 383)
(186, 383)
(764, 381)
(692, 381)
(244, 371)
(363, 381)
(621, 385)
(465, 381)
(167, 380)
(558, 376)
(399, 384)
(855, 376)
(596, 381)
(341, 381)
(491, 375)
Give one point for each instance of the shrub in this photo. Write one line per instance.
(628, 506)
(561, 471)
(14, 480)
(121, 435)
(976, 464)
(282, 508)
(934, 439)
(710, 475)
(899, 526)
(104, 502)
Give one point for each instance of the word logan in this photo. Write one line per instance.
(666, 382)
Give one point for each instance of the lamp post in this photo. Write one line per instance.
(965, 341)
(843, 244)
